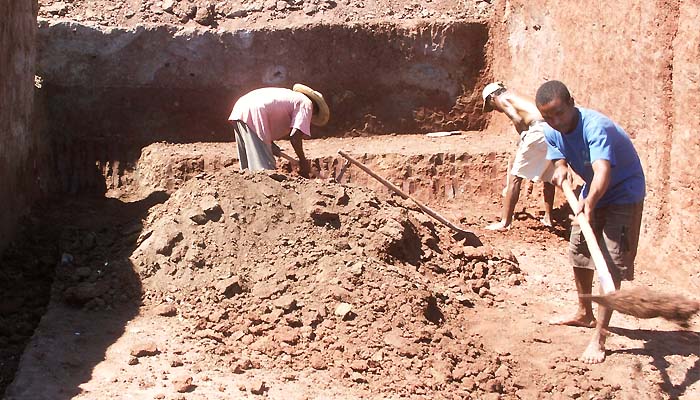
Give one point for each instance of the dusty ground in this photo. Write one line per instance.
(229, 285)
(224, 285)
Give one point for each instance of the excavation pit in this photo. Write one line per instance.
(134, 118)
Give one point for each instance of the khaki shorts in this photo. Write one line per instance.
(617, 229)
(531, 157)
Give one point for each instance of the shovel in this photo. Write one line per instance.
(601, 266)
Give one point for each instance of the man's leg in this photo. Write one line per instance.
(509, 203)
(238, 128)
(620, 236)
(548, 195)
(583, 277)
(595, 351)
(583, 316)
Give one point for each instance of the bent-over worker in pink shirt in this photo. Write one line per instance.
(264, 115)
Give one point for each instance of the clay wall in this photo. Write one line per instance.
(146, 84)
(18, 143)
(635, 61)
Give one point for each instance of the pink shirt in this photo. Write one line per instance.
(272, 112)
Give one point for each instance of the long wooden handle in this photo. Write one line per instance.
(401, 193)
(289, 158)
(606, 281)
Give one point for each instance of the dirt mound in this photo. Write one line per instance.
(289, 273)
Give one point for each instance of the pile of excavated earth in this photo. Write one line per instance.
(282, 272)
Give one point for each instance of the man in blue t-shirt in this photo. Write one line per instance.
(612, 199)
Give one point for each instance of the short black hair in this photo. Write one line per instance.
(551, 90)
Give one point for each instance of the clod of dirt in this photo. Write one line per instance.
(183, 384)
(144, 349)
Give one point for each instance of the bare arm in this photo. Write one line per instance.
(599, 185)
(295, 137)
(512, 113)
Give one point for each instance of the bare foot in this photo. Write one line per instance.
(546, 221)
(594, 353)
(498, 226)
(574, 320)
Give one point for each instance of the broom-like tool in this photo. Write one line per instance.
(646, 303)
(638, 302)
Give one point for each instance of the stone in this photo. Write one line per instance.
(318, 362)
(287, 303)
(258, 387)
(358, 377)
(502, 371)
(572, 392)
(322, 217)
(183, 384)
(81, 294)
(163, 243)
(211, 208)
(229, 287)
(165, 310)
(198, 216)
(167, 5)
(287, 335)
(58, 8)
(343, 310)
(176, 362)
(144, 349)
(359, 365)
(205, 15)
(310, 9)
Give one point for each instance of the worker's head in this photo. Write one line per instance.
(490, 92)
(321, 112)
(557, 106)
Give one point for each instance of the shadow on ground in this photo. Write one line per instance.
(96, 291)
(660, 344)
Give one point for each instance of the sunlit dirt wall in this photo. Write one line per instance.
(635, 61)
(17, 141)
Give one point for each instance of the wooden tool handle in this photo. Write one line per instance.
(601, 266)
(404, 195)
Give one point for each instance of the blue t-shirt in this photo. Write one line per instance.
(596, 137)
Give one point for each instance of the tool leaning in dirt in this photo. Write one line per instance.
(276, 150)
(637, 302)
(461, 233)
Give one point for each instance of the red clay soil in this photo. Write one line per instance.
(239, 285)
(233, 285)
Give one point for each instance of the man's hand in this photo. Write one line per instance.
(561, 173)
(584, 208)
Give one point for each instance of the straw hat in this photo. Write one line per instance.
(488, 90)
(321, 118)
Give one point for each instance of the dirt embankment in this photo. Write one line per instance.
(635, 66)
(230, 14)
